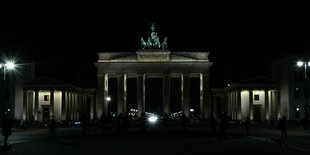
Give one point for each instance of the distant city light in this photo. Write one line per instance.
(191, 110)
(300, 63)
(153, 119)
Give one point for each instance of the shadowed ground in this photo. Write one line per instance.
(196, 140)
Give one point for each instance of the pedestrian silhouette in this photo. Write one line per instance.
(52, 128)
(282, 125)
(224, 125)
(183, 123)
(247, 126)
(6, 129)
(213, 125)
(165, 123)
(120, 124)
(103, 120)
(85, 124)
(143, 122)
(109, 125)
(126, 123)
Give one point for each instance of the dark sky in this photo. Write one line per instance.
(63, 38)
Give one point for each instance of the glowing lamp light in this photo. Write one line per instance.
(0, 66)
(191, 110)
(297, 109)
(308, 64)
(153, 119)
(10, 65)
(108, 99)
(300, 63)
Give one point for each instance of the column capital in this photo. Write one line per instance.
(205, 74)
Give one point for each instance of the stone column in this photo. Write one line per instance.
(185, 93)
(63, 106)
(106, 94)
(236, 105)
(102, 93)
(278, 105)
(166, 93)
(80, 106)
(30, 106)
(239, 104)
(202, 111)
(228, 104)
(92, 108)
(205, 97)
(25, 99)
(69, 107)
(76, 106)
(121, 94)
(73, 112)
(125, 94)
(231, 109)
(140, 93)
(251, 104)
(52, 105)
(72, 105)
(267, 114)
(36, 106)
(233, 105)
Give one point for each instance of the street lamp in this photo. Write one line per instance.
(305, 64)
(8, 66)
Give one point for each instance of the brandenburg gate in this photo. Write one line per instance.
(153, 60)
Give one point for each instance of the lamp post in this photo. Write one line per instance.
(108, 100)
(8, 66)
(305, 64)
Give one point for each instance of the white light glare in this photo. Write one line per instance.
(108, 99)
(300, 63)
(191, 110)
(153, 119)
(10, 65)
(0, 66)
(308, 64)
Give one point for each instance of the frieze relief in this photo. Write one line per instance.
(130, 68)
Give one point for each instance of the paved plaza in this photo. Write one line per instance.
(198, 139)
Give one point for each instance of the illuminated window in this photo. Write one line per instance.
(256, 97)
(46, 97)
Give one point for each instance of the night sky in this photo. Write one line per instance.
(63, 38)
